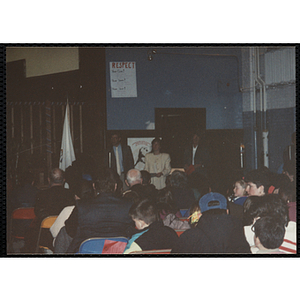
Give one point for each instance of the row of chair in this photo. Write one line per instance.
(27, 214)
(115, 245)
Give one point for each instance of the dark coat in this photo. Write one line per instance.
(201, 156)
(157, 237)
(214, 234)
(52, 201)
(103, 216)
(127, 158)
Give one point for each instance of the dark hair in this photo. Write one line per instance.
(165, 203)
(158, 140)
(259, 178)
(56, 175)
(146, 177)
(270, 231)
(178, 179)
(106, 181)
(287, 192)
(279, 180)
(144, 210)
(251, 209)
(84, 190)
(267, 205)
(117, 133)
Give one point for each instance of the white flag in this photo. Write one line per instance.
(67, 155)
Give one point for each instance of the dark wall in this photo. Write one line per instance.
(85, 86)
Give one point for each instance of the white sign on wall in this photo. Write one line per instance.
(123, 79)
(139, 147)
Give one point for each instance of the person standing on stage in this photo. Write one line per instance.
(119, 157)
(196, 157)
(158, 164)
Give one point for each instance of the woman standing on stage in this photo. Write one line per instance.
(158, 165)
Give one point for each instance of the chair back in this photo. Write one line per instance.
(159, 251)
(112, 245)
(184, 212)
(179, 232)
(46, 224)
(20, 221)
(48, 221)
(23, 213)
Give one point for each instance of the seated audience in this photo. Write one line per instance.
(84, 191)
(102, 216)
(271, 205)
(136, 190)
(168, 210)
(216, 231)
(182, 195)
(152, 235)
(268, 235)
(49, 202)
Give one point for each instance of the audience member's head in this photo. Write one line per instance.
(106, 182)
(84, 190)
(56, 177)
(213, 203)
(268, 205)
(146, 177)
(165, 203)
(287, 192)
(258, 183)
(289, 169)
(178, 179)
(269, 232)
(133, 177)
(240, 188)
(277, 181)
(143, 213)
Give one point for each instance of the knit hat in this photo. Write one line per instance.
(212, 201)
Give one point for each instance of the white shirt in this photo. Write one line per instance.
(194, 151)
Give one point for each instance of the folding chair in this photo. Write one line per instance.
(179, 232)
(184, 219)
(46, 224)
(159, 251)
(25, 214)
(184, 212)
(105, 245)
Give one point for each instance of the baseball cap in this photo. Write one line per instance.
(212, 201)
